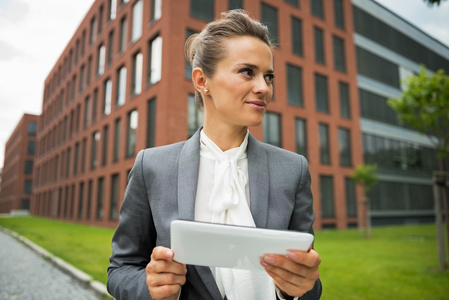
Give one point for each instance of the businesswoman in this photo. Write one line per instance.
(222, 175)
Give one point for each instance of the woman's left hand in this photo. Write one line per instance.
(294, 274)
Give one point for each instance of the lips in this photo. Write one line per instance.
(256, 104)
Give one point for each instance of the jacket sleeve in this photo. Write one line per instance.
(133, 240)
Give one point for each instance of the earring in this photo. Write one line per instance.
(206, 91)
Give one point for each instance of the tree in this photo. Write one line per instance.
(366, 176)
(424, 105)
(432, 2)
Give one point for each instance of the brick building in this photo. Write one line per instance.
(17, 174)
(122, 84)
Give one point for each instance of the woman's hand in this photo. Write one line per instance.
(294, 274)
(164, 275)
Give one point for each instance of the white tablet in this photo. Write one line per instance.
(229, 246)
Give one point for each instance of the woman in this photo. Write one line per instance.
(222, 174)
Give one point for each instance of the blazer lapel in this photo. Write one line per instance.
(258, 181)
(189, 162)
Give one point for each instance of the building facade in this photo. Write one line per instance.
(122, 84)
(17, 174)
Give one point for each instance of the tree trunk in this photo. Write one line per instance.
(444, 195)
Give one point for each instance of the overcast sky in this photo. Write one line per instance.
(33, 34)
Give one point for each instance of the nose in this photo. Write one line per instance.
(260, 85)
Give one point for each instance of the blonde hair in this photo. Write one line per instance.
(205, 49)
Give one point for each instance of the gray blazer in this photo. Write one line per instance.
(162, 188)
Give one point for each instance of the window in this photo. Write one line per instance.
(339, 14)
(327, 196)
(345, 109)
(104, 156)
(195, 117)
(297, 46)
(83, 154)
(293, 2)
(28, 167)
(87, 112)
(82, 74)
(324, 144)
(32, 128)
(294, 85)
(272, 129)
(317, 8)
(301, 136)
(235, 4)
(28, 187)
(123, 34)
(339, 54)
(375, 107)
(154, 61)
(270, 18)
(89, 199)
(117, 131)
(69, 158)
(100, 198)
(80, 201)
(114, 197)
(94, 149)
(377, 68)
(137, 73)
(137, 20)
(75, 159)
(321, 94)
(94, 106)
(93, 30)
(351, 204)
(31, 148)
(121, 87)
(319, 46)
(101, 60)
(188, 65)
(151, 123)
(112, 9)
(344, 143)
(202, 9)
(89, 70)
(110, 47)
(156, 10)
(107, 97)
(100, 19)
(131, 133)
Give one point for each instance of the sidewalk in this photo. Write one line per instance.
(29, 272)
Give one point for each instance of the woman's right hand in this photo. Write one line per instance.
(164, 275)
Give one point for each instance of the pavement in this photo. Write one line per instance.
(28, 271)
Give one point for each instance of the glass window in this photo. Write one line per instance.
(270, 18)
(89, 198)
(317, 8)
(324, 144)
(151, 123)
(107, 97)
(202, 9)
(28, 186)
(321, 93)
(80, 201)
(75, 159)
(301, 136)
(112, 9)
(294, 85)
(93, 30)
(28, 167)
(327, 196)
(235, 4)
(319, 46)
(123, 34)
(137, 73)
(87, 112)
(114, 197)
(32, 128)
(100, 19)
(155, 61)
(89, 70)
(345, 108)
(31, 148)
(83, 154)
(272, 129)
(82, 74)
(104, 156)
(377, 68)
(131, 133)
(351, 203)
(100, 198)
(117, 133)
(69, 158)
(110, 47)
(94, 106)
(344, 143)
(195, 116)
(101, 60)
(137, 21)
(293, 2)
(94, 149)
(297, 46)
(339, 54)
(156, 10)
(121, 87)
(339, 14)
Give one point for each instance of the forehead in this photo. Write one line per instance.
(249, 50)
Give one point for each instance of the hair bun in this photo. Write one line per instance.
(190, 47)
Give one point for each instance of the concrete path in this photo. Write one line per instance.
(26, 275)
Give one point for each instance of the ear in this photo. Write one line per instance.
(199, 80)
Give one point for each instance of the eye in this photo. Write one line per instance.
(269, 78)
(246, 71)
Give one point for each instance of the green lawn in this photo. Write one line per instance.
(398, 262)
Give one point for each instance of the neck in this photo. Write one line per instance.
(226, 138)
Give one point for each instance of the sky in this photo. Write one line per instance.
(33, 35)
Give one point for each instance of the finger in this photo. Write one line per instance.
(162, 253)
(164, 291)
(310, 259)
(156, 280)
(163, 266)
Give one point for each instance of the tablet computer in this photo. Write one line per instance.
(229, 246)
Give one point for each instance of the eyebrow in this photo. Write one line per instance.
(254, 67)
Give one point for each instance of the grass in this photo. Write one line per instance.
(398, 262)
